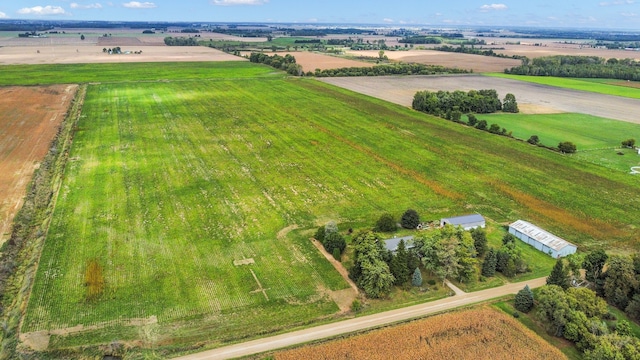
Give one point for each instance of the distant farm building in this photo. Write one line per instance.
(392, 244)
(467, 222)
(541, 239)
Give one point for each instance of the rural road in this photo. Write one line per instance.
(360, 323)
(401, 89)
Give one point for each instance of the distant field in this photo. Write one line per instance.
(598, 140)
(481, 333)
(586, 131)
(84, 73)
(607, 87)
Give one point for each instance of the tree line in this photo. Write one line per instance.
(475, 101)
(579, 67)
(574, 307)
(476, 51)
(286, 63)
(180, 41)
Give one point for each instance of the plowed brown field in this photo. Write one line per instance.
(30, 117)
(482, 333)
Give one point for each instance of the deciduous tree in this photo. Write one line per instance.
(410, 219)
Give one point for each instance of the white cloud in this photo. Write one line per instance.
(485, 8)
(628, 14)
(387, 20)
(42, 10)
(139, 5)
(238, 2)
(3, 15)
(617, 2)
(88, 6)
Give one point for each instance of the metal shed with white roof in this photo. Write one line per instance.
(541, 239)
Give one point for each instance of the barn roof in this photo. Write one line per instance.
(392, 244)
(540, 235)
(465, 219)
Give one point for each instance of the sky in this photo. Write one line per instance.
(593, 14)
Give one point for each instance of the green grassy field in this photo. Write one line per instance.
(591, 85)
(598, 139)
(133, 72)
(170, 182)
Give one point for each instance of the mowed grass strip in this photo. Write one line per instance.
(88, 73)
(169, 183)
(591, 85)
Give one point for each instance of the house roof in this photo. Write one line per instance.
(540, 235)
(465, 219)
(392, 244)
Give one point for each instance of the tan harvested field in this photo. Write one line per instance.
(482, 333)
(312, 61)
(94, 54)
(529, 49)
(30, 119)
(477, 63)
(547, 99)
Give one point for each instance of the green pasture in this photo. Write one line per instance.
(598, 139)
(169, 182)
(590, 85)
(130, 72)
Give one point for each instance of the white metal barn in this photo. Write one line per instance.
(392, 244)
(541, 239)
(467, 222)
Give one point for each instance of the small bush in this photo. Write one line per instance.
(337, 254)
(386, 223)
(431, 282)
(516, 314)
(356, 305)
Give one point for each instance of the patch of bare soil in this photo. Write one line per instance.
(401, 89)
(533, 109)
(343, 297)
(30, 119)
(94, 54)
(312, 61)
(477, 63)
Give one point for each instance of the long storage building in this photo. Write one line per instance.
(541, 239)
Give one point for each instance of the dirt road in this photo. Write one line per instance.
(358, 324)
(401, 89)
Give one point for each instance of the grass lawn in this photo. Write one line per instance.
(169, 182)
(608, 87)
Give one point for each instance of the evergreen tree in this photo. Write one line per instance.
(410, 219)
(399, 264)
(479, 241)
(524, 300)
(416, 279)
(502, 258)
(320, 234)
(559, 275)
(489, 264)
(620, 282)
(333, 241)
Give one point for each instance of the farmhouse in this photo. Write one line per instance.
(392, 244)
(467, 222)
(541, 239)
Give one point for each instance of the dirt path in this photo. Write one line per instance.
(336, 264)
(401, 89)
(359, 324)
